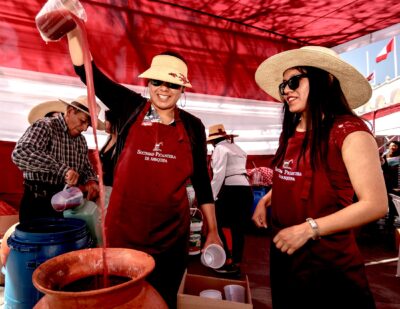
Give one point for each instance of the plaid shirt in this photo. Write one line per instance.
(47, 151)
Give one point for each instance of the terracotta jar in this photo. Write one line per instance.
(54, 276)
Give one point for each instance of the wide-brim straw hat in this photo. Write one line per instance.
(218, 131)
(41, 110)
(81, 103)
(168, 69)
(355, 86)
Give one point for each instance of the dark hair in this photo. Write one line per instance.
(394, 142)
(52, 114)
(174, 54)
(325, 101)
(112, 119)
(396, 152)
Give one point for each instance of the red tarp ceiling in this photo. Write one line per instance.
(222, 41)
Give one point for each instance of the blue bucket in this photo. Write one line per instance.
(33, 243)
(258, 193)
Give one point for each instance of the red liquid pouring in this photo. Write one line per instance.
(93, 115)
(54, 25)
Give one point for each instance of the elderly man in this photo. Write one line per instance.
(53, 153)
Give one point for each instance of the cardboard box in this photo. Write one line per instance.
(6, 222)
(192, 285)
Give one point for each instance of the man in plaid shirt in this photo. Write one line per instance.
(53, 153)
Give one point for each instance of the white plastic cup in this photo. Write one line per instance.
(235, 292)
(210, 293)
(213, 256)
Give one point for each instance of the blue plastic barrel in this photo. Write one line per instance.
(32, 244)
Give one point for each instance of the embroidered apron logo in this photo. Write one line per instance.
(285, 173)
(157, 146)
(288, 164)
(156, 156)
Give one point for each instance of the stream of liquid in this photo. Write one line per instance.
(55, 25)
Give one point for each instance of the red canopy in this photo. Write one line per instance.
(222, 41)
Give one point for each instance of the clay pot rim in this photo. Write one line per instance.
(147, 268)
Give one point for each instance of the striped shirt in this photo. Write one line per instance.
(47, 151)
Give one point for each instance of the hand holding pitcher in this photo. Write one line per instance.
(55, 19)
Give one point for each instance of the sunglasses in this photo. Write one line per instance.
(157, 83)
(292, 83)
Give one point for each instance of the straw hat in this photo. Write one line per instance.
(355, 86)
(168, 69)
(41, 110)
(81, 104)
(218, 131)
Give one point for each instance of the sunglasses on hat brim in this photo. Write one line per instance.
(157, 83)
(293, 83)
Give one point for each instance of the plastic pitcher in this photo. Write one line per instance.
(67, 198)
(54, 20)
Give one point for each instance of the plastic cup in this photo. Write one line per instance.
(215, 294)
(213, 256)
(235, 292)
(54, 20)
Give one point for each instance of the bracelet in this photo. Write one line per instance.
(315, 228)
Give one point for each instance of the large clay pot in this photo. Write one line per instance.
(53, 275)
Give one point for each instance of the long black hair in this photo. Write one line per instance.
(325, 101)
(112, 119)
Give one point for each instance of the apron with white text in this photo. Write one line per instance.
(149, 208)
(321, 268)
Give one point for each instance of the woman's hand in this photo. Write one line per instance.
(212, 238)
(260, 213)
(292, 238)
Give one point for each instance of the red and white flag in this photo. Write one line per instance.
(370, 76)
(385, 51)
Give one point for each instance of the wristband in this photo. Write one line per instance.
(315, 228)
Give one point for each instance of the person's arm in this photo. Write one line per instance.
(75, 47)
(208, 211)
(120, 99)
(367, 180)
(360, 156)
(200, 179)
(260, 213)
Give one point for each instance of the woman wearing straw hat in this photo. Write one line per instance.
(160, 149)
(326, 154)
(232, 194)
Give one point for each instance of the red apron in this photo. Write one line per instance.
(300, 193)
(318, 267)
(149, 208)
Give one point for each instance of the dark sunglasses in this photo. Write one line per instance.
(292, 83)
(157, 83)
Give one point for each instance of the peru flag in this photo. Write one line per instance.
(370, 76)
(385, 51)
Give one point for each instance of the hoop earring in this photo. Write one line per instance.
(182, 102)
